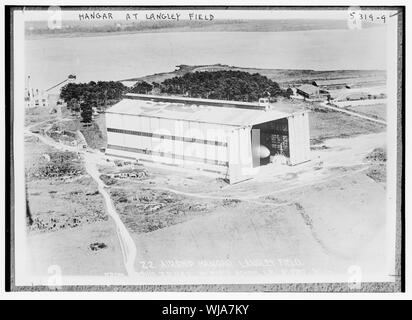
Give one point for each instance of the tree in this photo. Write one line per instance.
(86, 113)
(142, 87)
(73, 105)
(102, 93)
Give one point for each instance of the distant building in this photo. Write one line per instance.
(227, 138)
(264, 102)
(311, 92)
(34, 97)
(52, 95)
(332, 83)
(351, 82)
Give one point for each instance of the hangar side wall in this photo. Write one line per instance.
(168, 141)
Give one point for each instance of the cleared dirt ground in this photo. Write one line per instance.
(70, 250)
(317, 218)
(67, 225)
(249, 239)
(319, 230)
(59, 202)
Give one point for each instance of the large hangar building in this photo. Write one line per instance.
(222, 137)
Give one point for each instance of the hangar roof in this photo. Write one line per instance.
(309, 89)
(198, 112)
(330, 82)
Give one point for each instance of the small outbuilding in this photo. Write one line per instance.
(228, 138)
(332, 83)
(312, 92)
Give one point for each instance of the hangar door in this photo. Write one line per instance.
(239, 154)
(272, 135)
(299, 139)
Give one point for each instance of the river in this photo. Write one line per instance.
(122, 56)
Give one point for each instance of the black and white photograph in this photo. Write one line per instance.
(225, 147)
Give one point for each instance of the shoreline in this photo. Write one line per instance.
(216, 26)
(282, 76)
(84, 34)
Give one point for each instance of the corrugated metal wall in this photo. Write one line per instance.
(299, 138)
(167, 141)
(220, 149)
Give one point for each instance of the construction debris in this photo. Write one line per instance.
(54, 222)
(107, 180)
(58, 165)
(377, 170)
(118, 163)
(377, 155)
(97, 246)
(127, 173)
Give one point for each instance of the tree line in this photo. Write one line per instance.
(221, 85)
(84, 97)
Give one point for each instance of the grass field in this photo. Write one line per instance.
(378, 111)
(326, 125)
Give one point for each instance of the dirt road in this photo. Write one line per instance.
(90, 160)
(126, 242)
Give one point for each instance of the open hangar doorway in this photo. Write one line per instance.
(270, 139)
